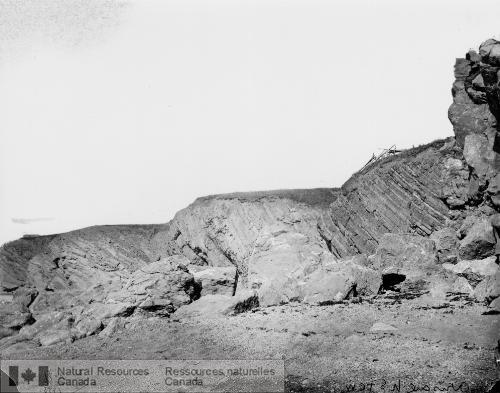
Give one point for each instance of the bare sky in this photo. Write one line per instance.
(114, 112)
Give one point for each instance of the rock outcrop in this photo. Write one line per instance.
(479, 241)
(423, 216)
(474, 271)
(475, 113)
(215, 280)
(215, 306)
(446, 241)
(406, 255)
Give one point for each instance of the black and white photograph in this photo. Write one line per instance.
(269, 196)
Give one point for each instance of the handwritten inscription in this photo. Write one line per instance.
(401, 386)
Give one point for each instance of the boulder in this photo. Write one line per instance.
(479, 153)
(325, 281)
(407, 255)
(490, 52)
(488, 289)
(323, 286)
(160, 287)
(216, 306)
(461, 285)
(86, 326)
(52, 337)
(467, 116)
(7, 342)
(494, 190)
(54, 301)
(446, 245)
(112, 327)
(13, 315)
(50, 321)
(474, 271)
(494, 306)
(22, 346)
(495, 223)
(473, 56)
(479, 242)
(281, 259)
(367, 280)
(103, 311)
(25, 296)
(466, 225)
(216, 280)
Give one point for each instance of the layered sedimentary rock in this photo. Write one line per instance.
(400, 218)
(413, 192)
(70, 260)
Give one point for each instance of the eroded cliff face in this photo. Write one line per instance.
(417, 192)
(475, 115)
(402, 218)
(238, 229)
(414, 192)
(68, 260)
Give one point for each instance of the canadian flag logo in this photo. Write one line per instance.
(29, 376)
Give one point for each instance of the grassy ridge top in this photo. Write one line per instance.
(312, 197)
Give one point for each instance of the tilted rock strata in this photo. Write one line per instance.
(397, 220)
(413, 192)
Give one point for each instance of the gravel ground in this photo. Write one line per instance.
(326, 348)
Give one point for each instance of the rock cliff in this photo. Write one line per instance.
(475, 115)
(395, 221)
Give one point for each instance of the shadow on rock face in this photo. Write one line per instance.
(390, 280)
(7, 384)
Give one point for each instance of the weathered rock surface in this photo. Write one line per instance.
(72, 260)
(488, 289)
(275, 241)
(50, 321)
(215, 306)
(475, 113)
(490, 52)
(408, 255)
(474, 271)
(248, 230)
(287, 245)
(446, 245)
(64, 314)
(327, 286)
(367, 280)
(322, 281)
(13, 314)
(495, 223)
(410, 193)
(479, 242)
(462, 285)
(86, 326)
(494, 306)
(162, 286)
(493, 190)
(52, 337)
(113, 326)
(216, 280)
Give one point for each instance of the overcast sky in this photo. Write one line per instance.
(125, 112)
